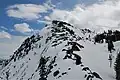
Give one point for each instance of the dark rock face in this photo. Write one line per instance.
(56, 73)
(25, 47)
(45, 69)
(110, 35)
(117, 67)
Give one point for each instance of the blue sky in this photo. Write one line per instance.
(8, 22)
(20, 18)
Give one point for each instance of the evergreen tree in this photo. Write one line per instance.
(117, 67)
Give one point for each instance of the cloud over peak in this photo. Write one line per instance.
(105, 15)
(22, 27)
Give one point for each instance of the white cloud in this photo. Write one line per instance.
(47, 18)
(2, 27)
(46, 22)
(4, 34)
(26, 11)
(29, 11)
(23, 27)
(58, 14)
(103, 15)
(49, 5)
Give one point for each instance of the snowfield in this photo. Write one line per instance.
(43, 58)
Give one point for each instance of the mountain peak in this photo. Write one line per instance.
(56, 52)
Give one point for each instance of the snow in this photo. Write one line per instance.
(96, 57)
(93, 56)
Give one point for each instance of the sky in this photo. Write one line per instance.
(22, 18)
(31, 14)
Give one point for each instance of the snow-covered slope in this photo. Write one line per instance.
(60, 51)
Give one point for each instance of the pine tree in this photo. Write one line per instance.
(117, 67)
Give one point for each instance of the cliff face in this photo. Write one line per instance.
(59, 51)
